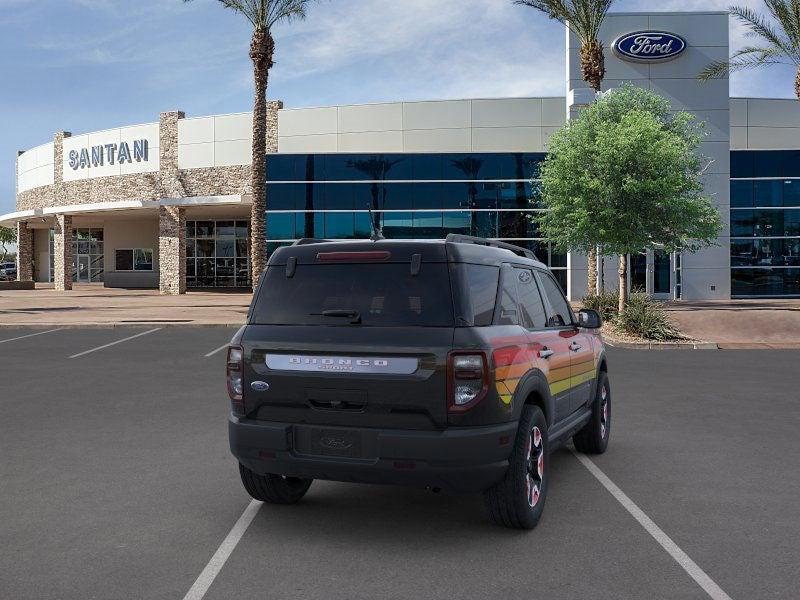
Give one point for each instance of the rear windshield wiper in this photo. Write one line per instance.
(353, 315)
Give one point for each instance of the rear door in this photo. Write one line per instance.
(547, 339)
(560, 317)
(351, 342)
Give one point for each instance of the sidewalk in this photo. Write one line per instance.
(90, 305)
(740, 323)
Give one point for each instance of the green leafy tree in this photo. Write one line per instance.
(584, 19)
(8, 236)
(626, 175)
(778, 40)
(263, 15)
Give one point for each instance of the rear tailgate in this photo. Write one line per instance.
(347, 375)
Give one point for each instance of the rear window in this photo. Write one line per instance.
(384, 295)
(477, 293)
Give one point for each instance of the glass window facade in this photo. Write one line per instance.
(491, 195)
(218, 254)
(765, 223)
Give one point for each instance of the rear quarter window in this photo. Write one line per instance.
(385, 295)
(476, 293)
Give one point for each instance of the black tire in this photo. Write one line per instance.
(274, 489)
(518, 500)
(593, 438)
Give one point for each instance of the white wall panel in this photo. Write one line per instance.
(507, 139)
(300, 144)
(717, 126)
(308, 121)
(554, 112)
(233, 127)
(370, 117)
(739, 138)
(233, 152)
(738, 112)
(371, 141)
(709, 29)
(773, 113)
(196, 131)
(691, 94)
(766, 138)
(446, 114)
(507, 112)
(195, 156)
(437, 140)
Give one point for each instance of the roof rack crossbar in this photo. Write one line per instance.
(458, 238)
(305, 241)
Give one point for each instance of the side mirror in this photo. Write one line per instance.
(590, 319)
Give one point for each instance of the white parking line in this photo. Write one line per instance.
(214, 566)
(687, 564)
(115, 343)
(220, 349)
(22, 337)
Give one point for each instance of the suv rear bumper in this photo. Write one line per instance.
(467, 459)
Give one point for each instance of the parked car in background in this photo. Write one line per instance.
(8, 271)
(452, 364)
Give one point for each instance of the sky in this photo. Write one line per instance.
(86, 65)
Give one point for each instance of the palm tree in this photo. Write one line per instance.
(263, 15)
(780, 42)
(584, 19)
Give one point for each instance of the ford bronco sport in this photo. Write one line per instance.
(449, 364)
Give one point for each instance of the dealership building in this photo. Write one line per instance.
(167, 204)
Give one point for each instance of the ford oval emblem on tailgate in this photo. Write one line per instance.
(259, 386)
(335, 443)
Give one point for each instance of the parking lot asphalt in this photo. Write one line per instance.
(116, 482)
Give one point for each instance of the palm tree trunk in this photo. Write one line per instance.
(623, 282)
(797, 84)
(261, 52)
(593, 67)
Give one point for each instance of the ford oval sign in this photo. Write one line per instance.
(649, 46)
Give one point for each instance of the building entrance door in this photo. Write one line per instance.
(83, 269)
(652, 272)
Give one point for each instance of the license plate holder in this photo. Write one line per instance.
(320, 441)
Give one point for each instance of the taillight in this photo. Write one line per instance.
(233, 372)
(467, 379)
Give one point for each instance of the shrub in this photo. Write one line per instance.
(606, 303)
(646, 318)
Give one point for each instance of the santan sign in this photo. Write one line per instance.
(97, 156)
(649, 46)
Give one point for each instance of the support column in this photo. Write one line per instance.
(62, 253)
(24, 252)
(171, 250)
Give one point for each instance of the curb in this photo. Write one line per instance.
(662, 345)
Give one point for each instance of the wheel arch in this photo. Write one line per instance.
(534, 390)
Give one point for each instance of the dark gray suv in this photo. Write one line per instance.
(451, 364)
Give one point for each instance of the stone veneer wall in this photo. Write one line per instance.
(24, 252)
(62, 251)
(172, 250)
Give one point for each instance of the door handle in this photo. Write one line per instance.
(545, 352)
(574, 346)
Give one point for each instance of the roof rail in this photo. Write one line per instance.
(457, 238)
(305, 241)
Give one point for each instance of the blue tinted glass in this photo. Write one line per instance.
(790, 165)
(768, 163)
(463, 166)
(280, 226)
(311, 196)
(362, 225)
(398, 196)
(485, 224)
(742, 164)
(526, 166)
(309, 225)
(768, 193)
(455, 195)
(271, 247)
(768, 222)
(514, 195)
(338, 167)
(742, 223)
(516, 225)
(485, 195)
(373, 167)
(427, 195)
(741, 194)
(426, 166)
(428, 224)
(458, 222)
(339, 196)
(310, 167)
(791, 193)
(765, 282)
(339, 225)
(398, 225)
(558, 259)
(282, 196)
(281, 167)
(398, 166)
(791, 222)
